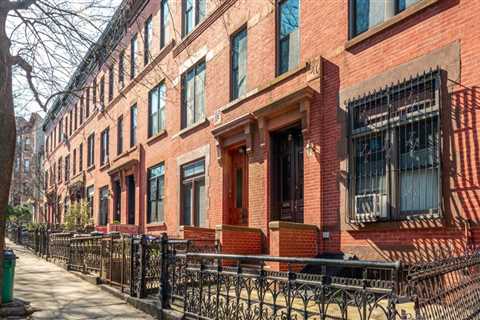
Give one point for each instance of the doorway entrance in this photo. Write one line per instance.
(131, 199)
(287, 175)
(238, 187)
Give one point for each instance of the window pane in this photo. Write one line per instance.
(419, 166)
(165, 32)
(160, 214)
(199, 92)
(162, 97)
(153, 111)
(239, 64)
(289, 35)
(368, 13)
(189, 98)
(187, 204)
(403, 4)
(200, 202)
(201, 10)
(189, 18)
(194, 168)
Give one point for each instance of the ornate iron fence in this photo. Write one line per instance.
(59, 246)
(447, 289)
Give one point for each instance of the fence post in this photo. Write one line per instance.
(141, 277)
(163, 292)
(132, 266)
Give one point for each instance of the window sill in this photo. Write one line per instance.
(156, 137)
(371, 219)
(125, 153)
(191, 128)
(415, 8)
(104, 166)
(91, 168)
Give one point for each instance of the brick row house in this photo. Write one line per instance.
(286, 127)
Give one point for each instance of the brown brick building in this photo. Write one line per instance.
(27, 178)
(291, 127)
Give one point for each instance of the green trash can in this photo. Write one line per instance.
(9, 260)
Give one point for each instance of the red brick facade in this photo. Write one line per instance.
(332, 69)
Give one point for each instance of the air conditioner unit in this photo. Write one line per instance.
(370, 206)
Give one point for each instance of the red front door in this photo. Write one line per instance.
(238, 187)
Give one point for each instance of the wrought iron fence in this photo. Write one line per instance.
(447, 289)
(59, 246)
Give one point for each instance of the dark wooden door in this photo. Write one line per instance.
(287, 175)
(131, 199)
(238, 189)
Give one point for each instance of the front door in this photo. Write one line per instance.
(238, 187)
(117, 196)
(287, 175)
(131, 199)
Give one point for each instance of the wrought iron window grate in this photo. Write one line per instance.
(394, 151)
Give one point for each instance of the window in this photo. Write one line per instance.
(120, 135)
(104, 137)
(67, 168)
(80, 157)
(71, 123)
(27, 142)
(156, 109)
(133, 125)
(81, 109)
(102, 91)
(365, 14)
(75, 117)
(193, 14)
(60, 131)
(87, 106)
(26, 166)
(193, 95)
(156, 183)
(111, 83)
(147, 40)
(193, 193)
(239, 64)
(60, 170)
(288, 35)
(46, 180)
(164, 23)
(91, 150)
(94, 92)
(74, 162)
(121, 69)
(395, 151)
(133, 56)
(90, 194)
(103, 208)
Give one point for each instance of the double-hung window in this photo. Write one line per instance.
(395, 151)
(239, 64)
(101, 94)
(147, 40)
(80, 157)
(120, 135)
(81, 109)
(121, 69)
(164, 23)
(91, 150)
(156, 183)
(103, 207)
(193, 95)
(133, 125)
(111, 83)
(133, 56)
(87, 103)
(74, 162)
(90, 196)
(193, 13)
(365, 14)
(104, 144)
(156, 109)
(288, 35)
(67, 168)
(193, 193)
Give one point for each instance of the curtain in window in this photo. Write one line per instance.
(404, 4)
(368, 13)
(199, 92)
(200, 202)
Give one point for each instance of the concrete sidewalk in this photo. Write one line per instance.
(60, 295)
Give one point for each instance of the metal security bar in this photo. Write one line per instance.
(394, 151)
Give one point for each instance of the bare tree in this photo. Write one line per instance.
(41, 41)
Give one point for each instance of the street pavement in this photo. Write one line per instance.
(59, 294)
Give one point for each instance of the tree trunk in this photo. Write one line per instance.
(7, 131)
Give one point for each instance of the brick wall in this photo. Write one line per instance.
(239, 240)
(195, 233)
(292, 240)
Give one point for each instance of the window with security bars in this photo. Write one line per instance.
(395, 149)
